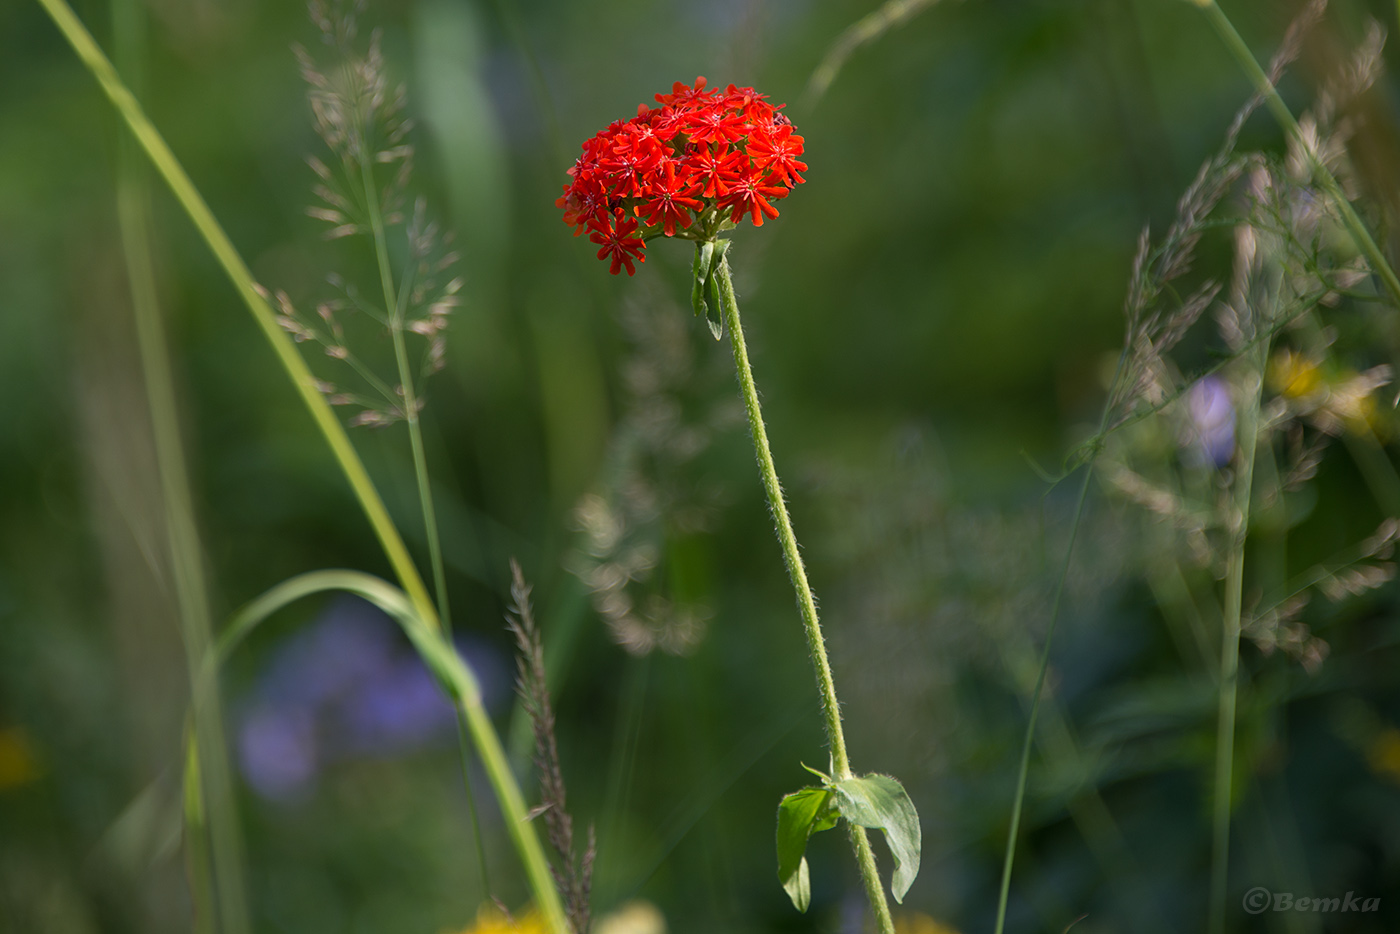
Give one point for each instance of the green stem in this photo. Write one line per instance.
(464, 756)
(1024, 771)
(224, 251)
(394, 308)
(224, 850)
(199, 865)
(1230, 642)
(816, 645)
(410, 396)
(1355, 226)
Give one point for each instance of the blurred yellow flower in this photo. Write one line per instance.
(1383, 754)
(634, 917)
(491, 920)
(1352, 400)
(1342, 400)
(916, 922)
(1293, 375)
(17, 763)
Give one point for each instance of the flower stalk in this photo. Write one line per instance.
(797, 573)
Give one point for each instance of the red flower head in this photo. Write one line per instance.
(698, 163)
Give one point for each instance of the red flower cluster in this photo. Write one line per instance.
(703, 159)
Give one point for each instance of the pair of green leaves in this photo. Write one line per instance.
(704, 290)
(878, 802)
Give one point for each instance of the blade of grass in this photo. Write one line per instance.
(621, 767)
(217, 869)
(1060, 750)
(198, 863)
(865, 30)
(1024, 769)
(1008, 861)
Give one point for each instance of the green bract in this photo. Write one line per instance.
(709, 254)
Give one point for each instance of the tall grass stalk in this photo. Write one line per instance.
(1024, 769)
(186, 559)
(1248, 439)
(816, 646)
(218, 860)
(1353, 222)
(1059, 749)
(1228, 684)
(862, 32)
(394, 310)
(1018, 802)
(414, 591)
(198, 864)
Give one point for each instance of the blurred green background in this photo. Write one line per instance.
(937, 305)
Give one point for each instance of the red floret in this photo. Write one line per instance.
(777, 153)
(670, 202)
(699, 162)
(618, 243)
(751, 195)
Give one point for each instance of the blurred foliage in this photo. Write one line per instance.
(942, 298)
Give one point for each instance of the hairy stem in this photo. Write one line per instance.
(816, 645)
(1355, 226)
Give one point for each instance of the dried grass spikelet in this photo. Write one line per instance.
(649, 489)
(1191, 520)
(573, 873)
(1279, 628)
(609, 567)
(1152, 329)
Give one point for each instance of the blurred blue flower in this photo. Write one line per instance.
(348, 686)
(1210, 434)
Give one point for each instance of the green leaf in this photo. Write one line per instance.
(712, 310)
(880, 802)
(800, 815)
(704, 254)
